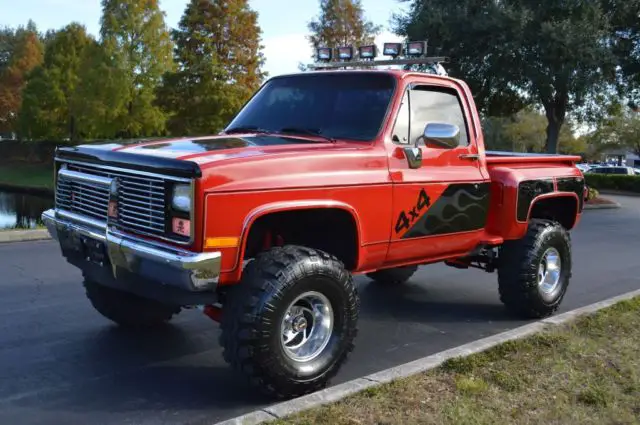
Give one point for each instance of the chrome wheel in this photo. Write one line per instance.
(307, 326)
(549, 271)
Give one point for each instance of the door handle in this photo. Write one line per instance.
(470, 156)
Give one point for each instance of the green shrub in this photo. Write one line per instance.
(613, 181)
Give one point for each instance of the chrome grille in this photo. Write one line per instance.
(141, 199)
(82, 198)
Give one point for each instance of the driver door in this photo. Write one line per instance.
(440, 204)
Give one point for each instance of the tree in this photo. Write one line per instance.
(625, 42)
(136, 38)
(9, 38)
(619, 131)
(571, 145)
(51, 107)
(524, 132)
(101, 94)
(219, 60)
(493, 130)
(20, 53)
(515, 53)
(7, 45)
(341, 23)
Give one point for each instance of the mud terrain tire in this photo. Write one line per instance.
(126, 309)
(260, 313)
(543, 253)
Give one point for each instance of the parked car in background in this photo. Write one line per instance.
(584, 167)
(621, 170)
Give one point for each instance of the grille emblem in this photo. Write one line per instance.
(112, 208)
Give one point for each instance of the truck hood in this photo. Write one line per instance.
(243, 162)
(203, 150)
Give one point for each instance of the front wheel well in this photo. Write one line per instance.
(333, 230)
(563, 209)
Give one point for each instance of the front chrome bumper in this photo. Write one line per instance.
(155, 262)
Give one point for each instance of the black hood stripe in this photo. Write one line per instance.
(187, 147)
(162, 158)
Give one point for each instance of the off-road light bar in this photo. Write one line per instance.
(368, 52)
(345, 52)
(324, 54)
(369, 63)
(392, 49)
(417, 48)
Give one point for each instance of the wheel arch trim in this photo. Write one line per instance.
(555, 195)
(311, 204)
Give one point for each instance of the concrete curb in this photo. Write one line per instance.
(23, 235)
(341, 391)
(612, 206)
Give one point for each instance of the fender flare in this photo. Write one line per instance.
(553, 195)
(310, 204)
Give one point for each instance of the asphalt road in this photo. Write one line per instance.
(62, 363)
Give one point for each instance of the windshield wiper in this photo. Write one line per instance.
(247, 129)
(307, 131)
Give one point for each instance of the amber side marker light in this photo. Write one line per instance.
(228, 242)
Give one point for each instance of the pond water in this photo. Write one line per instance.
(22, 210)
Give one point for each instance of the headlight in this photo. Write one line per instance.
(181, 199)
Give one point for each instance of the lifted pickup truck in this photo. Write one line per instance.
(321, 176)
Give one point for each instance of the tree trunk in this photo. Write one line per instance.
(553, 132)
(555, 112)
(72, 128)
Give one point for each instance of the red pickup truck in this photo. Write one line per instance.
(321, 176)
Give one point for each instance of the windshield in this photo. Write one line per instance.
(337, 105)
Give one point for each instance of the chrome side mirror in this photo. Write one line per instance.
(441, 135)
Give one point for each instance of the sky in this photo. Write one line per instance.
(283, 22)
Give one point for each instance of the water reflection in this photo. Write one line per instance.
(22, 210)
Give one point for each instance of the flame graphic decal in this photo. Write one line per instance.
(461, 208)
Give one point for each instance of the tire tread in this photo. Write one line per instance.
(128, 310)
(240, 324)
(517, 278)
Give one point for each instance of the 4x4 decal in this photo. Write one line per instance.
(406, 220)
(462, 207)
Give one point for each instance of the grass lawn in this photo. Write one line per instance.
(38, 226)
(27, 175)
(584, 373)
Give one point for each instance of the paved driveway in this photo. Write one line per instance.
(62, 363)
